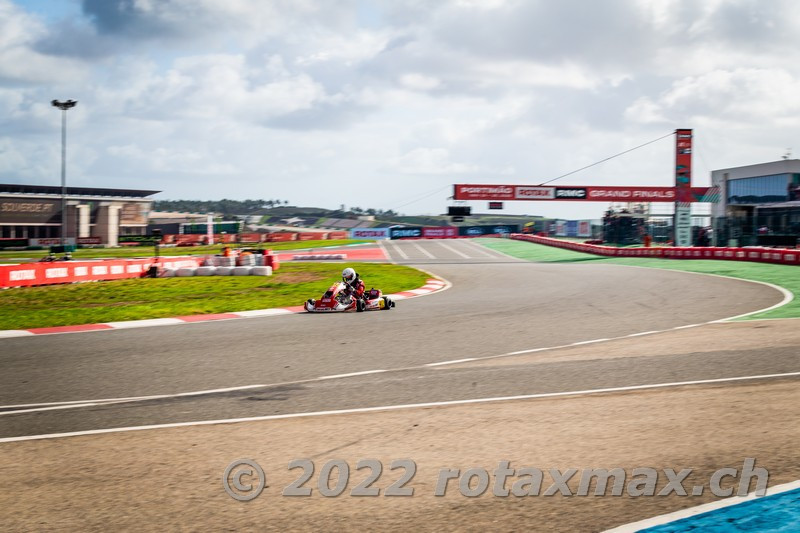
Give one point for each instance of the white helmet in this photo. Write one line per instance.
(348, 275)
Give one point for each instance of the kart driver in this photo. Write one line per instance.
(355, 287)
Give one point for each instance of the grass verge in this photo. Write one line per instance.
(136, 299)
(785, 276)
(147, 251)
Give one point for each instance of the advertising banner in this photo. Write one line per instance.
(43, 273)
(476, 231)
(683, 224)
(54, 241)
(133, 213)
(282, 237)
(534, 193)
(405, 233)
(369, 233)
(440, 232)
(592, 193)
(484, 192)
(683, 186)
(561, 228)
(584, 228)
(29, 211)
(572, 228)
(683, 165)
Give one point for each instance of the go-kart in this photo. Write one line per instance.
(338, 299)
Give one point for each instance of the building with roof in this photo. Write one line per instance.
(33, 213)
(759, 204)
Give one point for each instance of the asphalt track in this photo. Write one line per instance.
(497, 304)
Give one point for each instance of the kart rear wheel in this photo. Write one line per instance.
(360, 305)
(387, 304)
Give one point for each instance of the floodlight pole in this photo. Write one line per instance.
(64, 106)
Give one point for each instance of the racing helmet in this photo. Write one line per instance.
(348, 275)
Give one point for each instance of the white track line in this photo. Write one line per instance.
(401, 407)
(482, 249)
(700, 509)
(505, 255)
(424, 251)
(385, 249)
(351, 374)
(454, 362)
(32, 407)
(398, 250)
(448, 247)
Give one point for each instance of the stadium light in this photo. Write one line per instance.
(64, 106)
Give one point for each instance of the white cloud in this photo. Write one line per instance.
(725, 96)
(19, 62)
(305, 99)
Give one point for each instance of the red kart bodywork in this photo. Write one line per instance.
(337, 300)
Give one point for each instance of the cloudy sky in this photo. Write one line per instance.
(385, 104)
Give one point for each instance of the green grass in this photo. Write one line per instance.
(785, 276)
(135, 299)
(147, 251)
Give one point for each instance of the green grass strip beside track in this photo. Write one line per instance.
(136, 299)
(784, 276)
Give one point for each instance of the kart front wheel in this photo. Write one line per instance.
(360, 305)
(387, 304)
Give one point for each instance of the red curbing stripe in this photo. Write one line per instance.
(295, 308)
(69, 329)
(202, 318)
(407, 294)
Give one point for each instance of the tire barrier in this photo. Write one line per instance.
(246, 260)
(261, 271)
(780, 256)
(233, 271)
(220, 261)
(185, 272)
(205, 271)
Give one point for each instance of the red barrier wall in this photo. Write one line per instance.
(310, 236)
(281, 237)
(28, 274)
(251, 237)
(759, 255)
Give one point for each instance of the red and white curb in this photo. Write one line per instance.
(432, 285)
